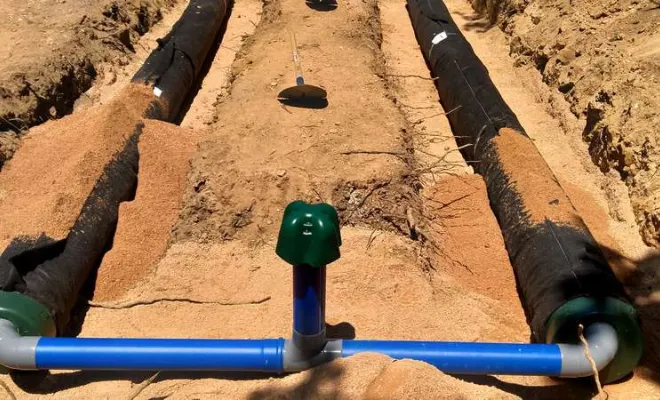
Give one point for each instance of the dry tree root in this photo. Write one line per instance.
(426, 78)
(377, 152)
(140, 387)
(419, 121)
(412, 223)
(602, 395)
(374, 234)
(366, 197)
(402, 104)
(10, 394)
(122, 305)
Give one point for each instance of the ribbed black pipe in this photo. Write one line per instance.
(554, 261)
(53, 273)
(173, 68)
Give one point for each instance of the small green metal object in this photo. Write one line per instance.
(28, 316)
(561, 327)
(309, 234)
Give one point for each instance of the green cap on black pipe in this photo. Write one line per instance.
(562, 327)
(28, 316)
(309, 234)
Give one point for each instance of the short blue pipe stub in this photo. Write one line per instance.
(468, 358)
(160, 354)
(308, 299)
(300, 81)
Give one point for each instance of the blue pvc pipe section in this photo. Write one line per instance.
(468, 358)
(267, 355)
(308, 299)
(160, 354)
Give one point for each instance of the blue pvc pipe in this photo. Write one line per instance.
(267, 355)
(468, 358)
(160, 354)
(308, 299)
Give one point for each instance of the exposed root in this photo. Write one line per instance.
(391, 153)
(122, 305)
(412, 223)
(7, 390)
(140, 387)
(374, 234)
(402, 104)
(380, 204)
(434, 247)
(602, 395)
(419, 121)
(377, 186)
(413, 76)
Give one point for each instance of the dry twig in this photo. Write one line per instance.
(121, 305)
(601, 393)
(392, 153)
(436, 115)
(413, 76)
(11, 394)
(140, 387)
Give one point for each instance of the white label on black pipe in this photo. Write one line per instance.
(439, 37)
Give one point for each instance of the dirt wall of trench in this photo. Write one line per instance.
(603, 58)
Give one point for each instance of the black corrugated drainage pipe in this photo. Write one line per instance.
(562, 275)
(174, 67)
(54, 272)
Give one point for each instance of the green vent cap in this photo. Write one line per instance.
(309, 234)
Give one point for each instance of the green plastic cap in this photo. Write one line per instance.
(561, 327)
(309, 234)
(29, 317)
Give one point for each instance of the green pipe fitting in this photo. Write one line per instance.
(562, 327)
(28, 316)
(309, 234)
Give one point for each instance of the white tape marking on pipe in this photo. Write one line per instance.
(439, 37)
(157, 92)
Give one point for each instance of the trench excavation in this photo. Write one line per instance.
(558, 264)
(239, 198)
(53, 268)
(94, 40)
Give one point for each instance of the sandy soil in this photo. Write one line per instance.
(57, 179)
(422, 254)
(144, 223)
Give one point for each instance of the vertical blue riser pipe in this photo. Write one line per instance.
(308, 300)
(468, 358)
(160, 354)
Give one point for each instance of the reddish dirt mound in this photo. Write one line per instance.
(44, 187)
(456, 208)
(535, 183)
(144, 224)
